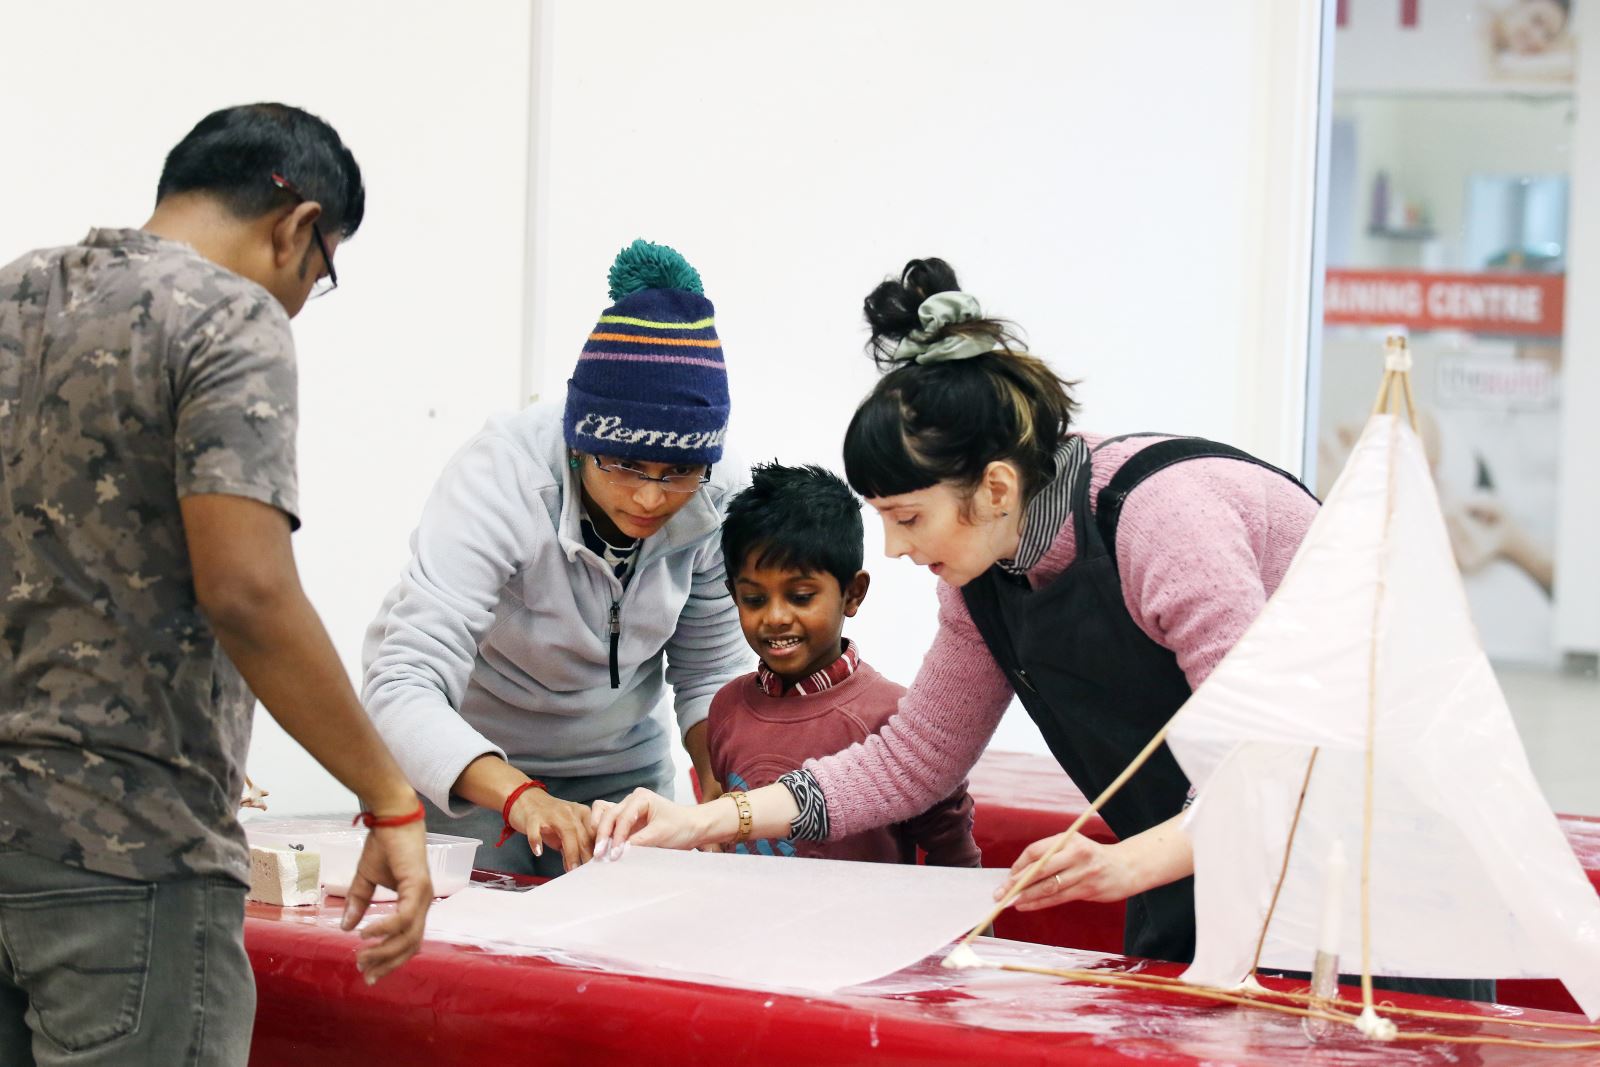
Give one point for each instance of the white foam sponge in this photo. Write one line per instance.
(962, 958)
(285, 876)
(1376, 1026)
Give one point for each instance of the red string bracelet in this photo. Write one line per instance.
(506, 830)
(372, 822)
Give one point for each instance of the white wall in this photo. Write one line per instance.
(1578, 532)
(1131, 183)
(424, 336)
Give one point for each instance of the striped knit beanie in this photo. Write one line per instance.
(650, 384)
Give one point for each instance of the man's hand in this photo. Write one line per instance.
(397, 857)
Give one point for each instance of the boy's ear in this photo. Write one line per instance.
(855, 593)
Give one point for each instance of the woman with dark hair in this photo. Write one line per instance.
(1099, 580)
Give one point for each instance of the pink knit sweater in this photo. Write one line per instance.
(1200, 547)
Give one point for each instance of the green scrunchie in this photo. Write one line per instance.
(937, 312)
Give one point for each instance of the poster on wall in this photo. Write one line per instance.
(1455, 45)
(1490, 409)
(1449, 200)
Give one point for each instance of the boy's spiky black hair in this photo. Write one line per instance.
(805, 518)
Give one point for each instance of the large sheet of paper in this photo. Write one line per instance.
(756, 921)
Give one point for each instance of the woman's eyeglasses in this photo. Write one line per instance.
(625, 475)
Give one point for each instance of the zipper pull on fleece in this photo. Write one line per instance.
(616, 636)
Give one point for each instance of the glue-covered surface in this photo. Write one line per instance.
(1470, 873)
(759, 921)
(461, 1006)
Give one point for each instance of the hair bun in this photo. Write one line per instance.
(926, 277)
(891, 307)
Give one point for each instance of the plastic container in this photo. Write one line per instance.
(449, 858)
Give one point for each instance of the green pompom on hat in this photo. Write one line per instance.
(643, 265)
(650, 383)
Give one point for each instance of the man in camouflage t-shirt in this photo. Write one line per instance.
(136, 372)
(147, 491)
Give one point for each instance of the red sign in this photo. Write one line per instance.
(1526, 304)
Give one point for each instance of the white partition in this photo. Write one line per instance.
(1577, 562)
(1131, 183)
(424, 336)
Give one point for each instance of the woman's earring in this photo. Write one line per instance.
(572, 461)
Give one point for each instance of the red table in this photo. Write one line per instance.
(1021, 798)
(453, 1006)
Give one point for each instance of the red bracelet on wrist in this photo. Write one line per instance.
(506, 829)
(372, 822)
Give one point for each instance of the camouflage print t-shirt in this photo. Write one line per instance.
(133, 372)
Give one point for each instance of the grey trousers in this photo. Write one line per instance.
(516, 855)
(98, 971)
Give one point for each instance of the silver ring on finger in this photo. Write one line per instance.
(1056, 878)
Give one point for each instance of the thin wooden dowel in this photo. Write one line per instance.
(1106, 794)
(1155, 983)
(1283, 872)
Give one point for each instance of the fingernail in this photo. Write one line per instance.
(601, 845)
(538, 848)
(625, 846)
(615, 853)
(371, 980)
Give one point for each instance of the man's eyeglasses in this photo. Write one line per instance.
(625, 475)
(328, 282)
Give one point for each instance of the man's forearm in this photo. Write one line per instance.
(284, 654)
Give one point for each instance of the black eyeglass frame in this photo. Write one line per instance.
(316, 232)
(639, 477)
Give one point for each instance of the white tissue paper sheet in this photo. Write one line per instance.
(754, 921)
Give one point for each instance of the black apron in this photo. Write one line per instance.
(1097, 686)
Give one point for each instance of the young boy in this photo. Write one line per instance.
(792, 543)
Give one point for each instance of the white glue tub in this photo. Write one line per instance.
(449, 858)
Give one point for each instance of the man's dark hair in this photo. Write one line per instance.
(233, 154)
(800, 518)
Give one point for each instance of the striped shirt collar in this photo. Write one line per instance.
(826, 678)
(1049, 508)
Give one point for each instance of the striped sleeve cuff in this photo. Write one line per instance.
(812, 822)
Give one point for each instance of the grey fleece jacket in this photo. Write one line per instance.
(498, 637)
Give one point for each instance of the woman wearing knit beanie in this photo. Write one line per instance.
(1100, 615)
(566, 571)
